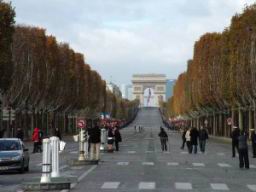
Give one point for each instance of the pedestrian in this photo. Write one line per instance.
(243, 150)
(188, 140)
(57, 133)
(183, 138)
(118, 137)
(110, 139)
(20, 134)
(203, 136)
(35, 139)
(163, 139)
(194, 139)
(95, 135)
(234, 135)
(253, 140)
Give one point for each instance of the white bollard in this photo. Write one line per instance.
(81, 147)
(46, 162)
(55, 142)
(103, 139)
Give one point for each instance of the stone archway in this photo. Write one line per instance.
(149, 89)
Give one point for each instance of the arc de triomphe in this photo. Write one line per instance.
(150, 89)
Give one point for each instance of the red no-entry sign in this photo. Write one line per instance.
(81, 123)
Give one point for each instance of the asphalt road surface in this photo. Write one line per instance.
(140, 165)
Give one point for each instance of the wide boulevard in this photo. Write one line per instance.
(140, 165)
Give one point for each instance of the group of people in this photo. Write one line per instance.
(191, 136)
(138, 128)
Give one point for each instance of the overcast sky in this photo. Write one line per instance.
(123, 37)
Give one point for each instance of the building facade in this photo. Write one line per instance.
(149, 89)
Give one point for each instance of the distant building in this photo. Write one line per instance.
(149, 89)
(169, 88)
(126, 91)
(114, 89)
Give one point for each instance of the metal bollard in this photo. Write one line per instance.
(103, 139)
(55, 142)
(46, 162)
(81, 147)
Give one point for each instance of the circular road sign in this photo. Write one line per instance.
(81, 123)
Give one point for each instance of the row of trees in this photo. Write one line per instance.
(48, 83)
(220, 79)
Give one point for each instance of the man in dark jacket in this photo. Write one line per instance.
(20, 134)
(203, 136)
(234, 135)
(95, 135)
(253, 140)
(163, 139)
(243, 150)
(194, 138)
(117, 137)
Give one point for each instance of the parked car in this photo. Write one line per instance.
(13, 155)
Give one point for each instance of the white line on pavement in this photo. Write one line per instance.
(147, 185)
(224, 165)
(172, 163)
(148, 163)
(110, 185)
(183, 186)
(81, 177)
(219, 186)
(198, 164)
(252, 187)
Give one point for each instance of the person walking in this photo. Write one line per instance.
(194, 139)
(234, 135)
(243, 150)
(110, 139)
(253, 140)
(188, 140)
(20, 134)
(203, 136)
(183, 138)
(163, 139)
(118, 137)
(35, 139)
(57, 133)
(95, 135)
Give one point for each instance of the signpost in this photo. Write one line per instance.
(229, 121)
(81, 124)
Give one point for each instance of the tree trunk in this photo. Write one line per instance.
(240, 119)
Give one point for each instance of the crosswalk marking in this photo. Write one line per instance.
(110, 185)
(184, 152)
(131, 152)
(219, 186)
(148, 163)
(221, 154)
(149, 151)
(74, 152)
(183, 186)
(172, 164)
(147, 185)
(198, 164)
(223, 165)
(252, 187)
(253, 166)
(123, 163)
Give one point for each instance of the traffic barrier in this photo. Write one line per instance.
(46, 162)
(55, 142)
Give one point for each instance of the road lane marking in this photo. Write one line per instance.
(148, 163)
(252, 187)
(198, 164)
(223, 165)
(219, 186)
(80, 178)
(172, 163)
(131, 152)
(123, 163)
(183, 152)
(73, 152)
(147, 185)
(221, 154)
(183, 186)
(110, 185)
(253, 166)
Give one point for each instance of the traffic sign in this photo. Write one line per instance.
(229, 121)
(81, 123)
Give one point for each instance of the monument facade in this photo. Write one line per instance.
(149, 89)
